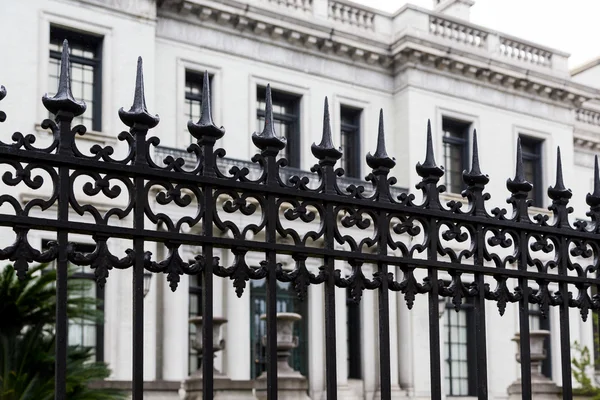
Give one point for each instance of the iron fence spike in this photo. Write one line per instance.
(326, 151)
(519, 185)
(205, 129)
(63, 100)
(559, 191)
(428, 169)
(380, 159)
(268, 138)
(138, 113)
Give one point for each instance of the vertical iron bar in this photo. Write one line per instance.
(480, 330)
(138, 268)
(384, 313)
(565, 335)
(271, 238)
(66, 138)
(207, 275)
(524, 322)
(330, 338)
(434, 316)
(61, 289)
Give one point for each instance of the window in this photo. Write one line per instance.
(531, 150)
(194, 82)
(459, 350)
(82, 332)
(286, 121)
(195, 309)
(287, 301)
(86, 72)
(536, 323)
(456, 152)
(350, 140)
(353, 332)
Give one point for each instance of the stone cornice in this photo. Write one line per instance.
(376, 51)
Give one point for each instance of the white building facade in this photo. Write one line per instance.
(416, 65)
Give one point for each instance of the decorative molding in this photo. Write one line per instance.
(492, 64)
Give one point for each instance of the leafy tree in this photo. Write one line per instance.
(27, 339)
(580, 364)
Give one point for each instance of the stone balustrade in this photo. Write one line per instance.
(365, 34)
(461, 33)
(524, 52)
(591, 117)
(351, 15)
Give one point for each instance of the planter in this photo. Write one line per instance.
(218, 343)
(541, 387)
(286, 342)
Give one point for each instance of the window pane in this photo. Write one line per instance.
(85, 62)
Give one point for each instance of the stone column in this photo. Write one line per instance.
(345, 391)
(316, 336)
(405, 342)
(369, 338)
(175, 334)
(237, 356)
(397, 393)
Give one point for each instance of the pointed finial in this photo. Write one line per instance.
(559, 191)
(474, 176)
(429, 169)
(519, 184)
(138, 113)
(205, 128)
(593, 199)
(380, 159)
(268, 138)
(325, 151)
(63, 101)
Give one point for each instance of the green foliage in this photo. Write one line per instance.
(27, 339)
(580, 363)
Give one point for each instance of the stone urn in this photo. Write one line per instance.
(286, 342)
(291, 385)
(218, 343)
(542, 387)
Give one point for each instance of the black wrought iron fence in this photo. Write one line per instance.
(392, 231)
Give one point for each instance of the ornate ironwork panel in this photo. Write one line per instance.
(213, 204)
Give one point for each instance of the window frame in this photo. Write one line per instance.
(537, 193)
(197, 291)
(464, 128)
(468, 307)
(92, 41)
(292, 148)
(351, 159)
(100, 294)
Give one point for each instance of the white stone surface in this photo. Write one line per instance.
(433, 76)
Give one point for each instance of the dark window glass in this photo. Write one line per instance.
(532, 167)
(193, 96)
(86, 72)
(195, 309)
(82, 332)
(287, 301)
(350, 140)
(353, 329)
(286, 121)
(459, 350)
(536, 323)
(456, 152)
